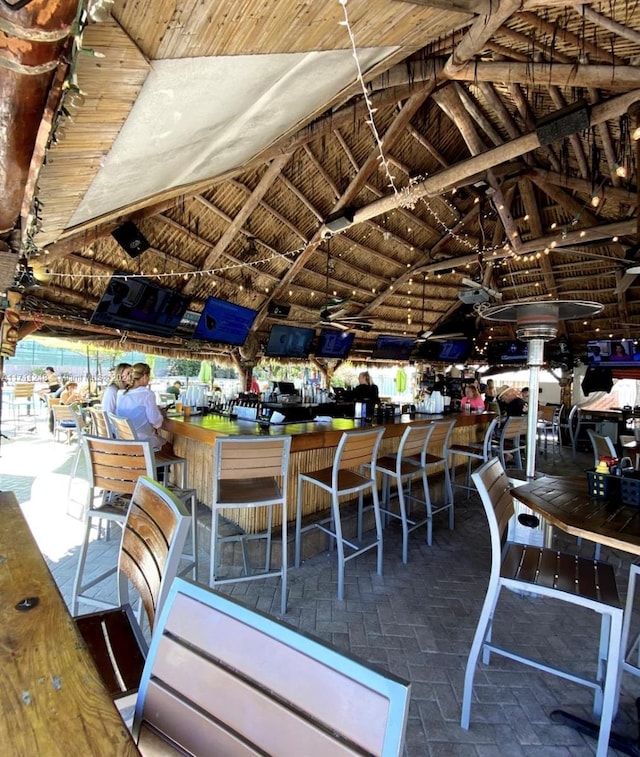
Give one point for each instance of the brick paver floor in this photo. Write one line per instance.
(416, 620)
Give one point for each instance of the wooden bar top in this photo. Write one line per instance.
(52, 701)
(306, 436)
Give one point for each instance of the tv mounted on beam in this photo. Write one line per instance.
(133, 303)
(389, 347)
(333, 343)
(289, 341)
(224, 322)
(514, 352)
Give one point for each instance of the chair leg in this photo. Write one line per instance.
(428, 508)
(298, 537)
(213, 567)
(378, 520)
(337, 528)
(284, 561)
(403, 520)
(484, 623)
(82, 559)
(448, 488)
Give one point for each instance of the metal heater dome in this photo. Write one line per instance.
(539, 319)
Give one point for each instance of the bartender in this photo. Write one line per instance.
(366, 391)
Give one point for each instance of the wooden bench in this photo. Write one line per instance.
(223, 679)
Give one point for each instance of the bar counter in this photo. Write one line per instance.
(313, 446)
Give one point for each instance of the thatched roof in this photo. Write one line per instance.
(230, 132)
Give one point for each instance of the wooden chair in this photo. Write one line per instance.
(153, 538)
(548, 427)
(400, 469)
(250, 472)
(547, 573)
(223, 679)
(113, 468)
(20, 403)
(100, 425)
(122, 428)
(480, 451)
(67, 421)
(346, 477)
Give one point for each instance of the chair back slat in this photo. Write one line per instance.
(493, 485)
(122, 427)
(358, 448)
(152, 542)
(100, 423)
(304, 696)
(441, 434)
(250, 458)
(514, 428)
(415, 439)
(115, 466)
(23, 391)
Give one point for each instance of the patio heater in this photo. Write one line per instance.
(537, 323)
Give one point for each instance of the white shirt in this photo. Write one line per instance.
(139, 406)
(108, 402)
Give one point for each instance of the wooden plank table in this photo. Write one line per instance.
(52, 700)
(565, 503)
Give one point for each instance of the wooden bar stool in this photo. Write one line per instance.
(480, 451)
(356, 449)
(250, 472)
(153, 538)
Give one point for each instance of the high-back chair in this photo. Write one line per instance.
(221, 678)
(346, 476)
(100, 425)
(548, 573)
(153, 538)
(113, 468)
(122, 428)
(548, 427)
(602, 446)
(477, 451)
(400, 469)
(512, 441)
(250, 472)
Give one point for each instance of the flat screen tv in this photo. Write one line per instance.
(614, 352)
(507, 352)
(454, 350)
(393, 347)
(133, 303)
(289, 341)
(224, 322)
(333, 343)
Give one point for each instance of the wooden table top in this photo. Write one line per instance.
(52, 701)
(566, 504)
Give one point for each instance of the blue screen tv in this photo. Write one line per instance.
(393, 347)
(224, 322)
(133, 303)
(454, 350)
(289, 341)
(507, 352)
(333, 343)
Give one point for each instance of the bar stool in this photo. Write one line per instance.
(113, 468)
(355, 450)
(250, 472)
(480, 451)
(153, 538)
(165, 461)
(100, 425)
(512, 441)
(401, 468)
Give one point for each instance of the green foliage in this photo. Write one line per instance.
(182, 367)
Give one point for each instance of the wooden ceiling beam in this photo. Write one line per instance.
(265, 183)
(607, 143)
(522, 104)
(444, 180)
(616, 194)
(574, 208)
(574, 140)
(609, 24)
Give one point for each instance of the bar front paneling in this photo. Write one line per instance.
(312, 447)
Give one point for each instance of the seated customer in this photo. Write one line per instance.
(510, 401)
(137, 403)
(119, 382)
(70, 394)
(472, 399)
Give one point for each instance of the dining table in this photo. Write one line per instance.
(52, 700)
(565, 502)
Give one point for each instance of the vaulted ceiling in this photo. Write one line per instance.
(490, 140)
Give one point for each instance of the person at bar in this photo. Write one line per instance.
(366, 391)
(119, 382)
(137, 403)
(510, 401)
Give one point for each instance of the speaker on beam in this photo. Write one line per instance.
(563, 123)
(279, 310)
(131, 239)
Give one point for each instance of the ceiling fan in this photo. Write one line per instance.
(445, 331)
(477, 292)
(333, 313)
